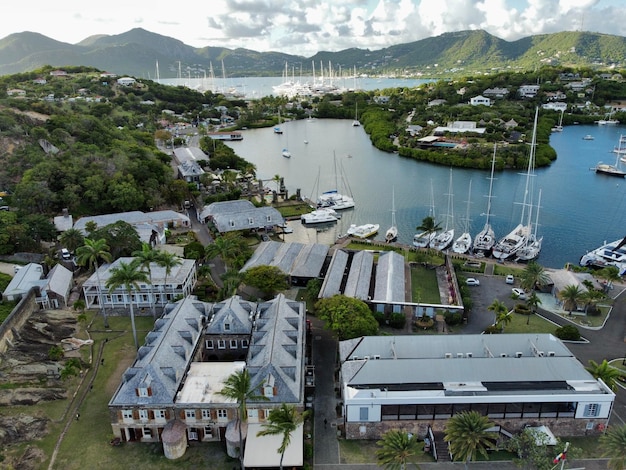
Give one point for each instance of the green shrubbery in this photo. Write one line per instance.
(567, 332)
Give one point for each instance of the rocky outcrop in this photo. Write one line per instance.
(30, 396)
(21, 428)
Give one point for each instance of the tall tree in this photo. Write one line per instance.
(533, 276)
(226, 247)
(128, 276)
(498, 308)
(72, 238)
(146, 257)
(613, 444)
(168, 261)
(533, 302)
(88, 255)
(269, 279)
(238, 387)
(283, 422)
(605, 372)
(346, 316)
(467, 435)
(397, 449)
(570, 295)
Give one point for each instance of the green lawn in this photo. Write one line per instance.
(424, 285)
(529, 324)
(364, 452)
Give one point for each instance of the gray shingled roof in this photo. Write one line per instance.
(162, 361)
(190, 168)
(59, 281)
(390, 278)
(184, 154)
(135, 218)
(360, 275)
(294, 259)
(332, 281)
(234, 311)
(229, 216)
(276, 350)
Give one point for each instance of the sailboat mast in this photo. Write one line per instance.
(531, 164)
(493, 165)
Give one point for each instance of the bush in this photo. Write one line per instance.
(453, 318)
(55, 353)
(397, 321)
(380, 317)
(493, 330)
(567, 332)
(522, 309)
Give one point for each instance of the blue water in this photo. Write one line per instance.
(579, 208)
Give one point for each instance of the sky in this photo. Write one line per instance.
(304, 27)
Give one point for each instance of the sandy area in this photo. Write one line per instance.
(7, 268)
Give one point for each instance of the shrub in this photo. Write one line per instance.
(380, 317)
(493, 330)
(55, 353)
(397, 321)
(453, 318)
(522, 309)
(567, 332)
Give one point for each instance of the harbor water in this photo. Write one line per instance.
(579, 208)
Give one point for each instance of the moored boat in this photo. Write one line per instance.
(486, 238)
(333, 198)
(363, 231)
(286, 153)
(588, 137)
(463, 244)
(609, 254)
(444, 239)
(392, 232)
(320, 216)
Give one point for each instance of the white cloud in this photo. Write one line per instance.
(304, 27)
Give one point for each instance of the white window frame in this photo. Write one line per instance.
(233, 344)
(142, 392)
(143, 415)
(244, 343)
(206, 414)
(209, 344)
(159, 415)
(222, 415)
(221, 344)
(127, 415)
(226, 326)
(190, 415)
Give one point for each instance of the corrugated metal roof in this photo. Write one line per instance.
(359, 278)
(390, 278)
(294, 259)
(332, 281)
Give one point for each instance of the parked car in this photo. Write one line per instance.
(510, 279)
(470, 281)
(519, 293)
(65, 253)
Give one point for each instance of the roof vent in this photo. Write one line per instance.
(541, 353)
(519, 354)
(459, 354)
(551, 353)
(448, 355)
(469, 354)
(503, 355)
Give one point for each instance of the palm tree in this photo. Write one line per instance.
(276, 180)
(428, 226)
(613, 445)
(591, 298)
(232, 280)
(467, 435)
(570, 295)
(498, 308)
(611, 274)
(396, 449)
(146, 257)
(533, 275)
(168, 261)
(605, 372)
(282, 421)
(128, 275)
(503, 319)
(238, 388)
(89, 254)
(226, 247)
(72, 238)
(533, 302)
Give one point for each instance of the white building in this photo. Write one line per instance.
(528, 91)
(480, 100)
(409, 383)
(165, 287)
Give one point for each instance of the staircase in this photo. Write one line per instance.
(441, 446)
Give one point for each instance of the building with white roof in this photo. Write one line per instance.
(165, 287)
(418, 383)
(241, 214)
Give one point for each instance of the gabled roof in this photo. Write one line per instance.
(294, 259)
(229, 216)
(334, 275)
(390, 278)
(25, 278)
(60, 280)
(360, 276)
(233, 311)
(276, 352)
(177, 275)
(135, 218)
(162, 361)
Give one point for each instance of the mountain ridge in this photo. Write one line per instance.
(137, 51)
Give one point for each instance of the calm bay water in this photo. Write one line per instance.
(579, 208)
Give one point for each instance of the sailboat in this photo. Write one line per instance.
(559, 127)
(444, 239)
(613, 170)
(463, 244)
(277, 129)
(356, 122)
(485, 239)
(533, 245)
(518, 237)
(423, 239)
(392, 232)
(333, 198)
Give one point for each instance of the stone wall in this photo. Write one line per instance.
(14, 322)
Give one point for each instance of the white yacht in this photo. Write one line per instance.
(335, 200)
(609, 254)
(463, 244)
(323, 215)
(486, 238)
(363, 231)
(444, 239)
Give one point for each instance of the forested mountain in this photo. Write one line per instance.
(137, 52)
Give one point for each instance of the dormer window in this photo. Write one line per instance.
(250, 220)
(226, 326)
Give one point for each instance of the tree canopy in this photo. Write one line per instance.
(347, 317)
